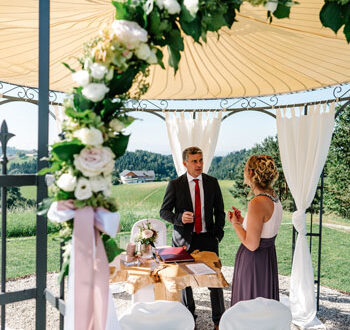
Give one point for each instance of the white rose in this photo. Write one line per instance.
(95, 92)
(81, 77)
(83, 189)
(147, 233)
(67, 182)
(94, 161)
(129, 33)
(90, 136)
(98, 71)
(143, 51)
(98, 183)
(116, 125)
(271, 6)
(152, 59)
(191, 6)
(107, 191)
(172, 6)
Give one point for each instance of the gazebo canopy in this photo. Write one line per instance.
(253, 58)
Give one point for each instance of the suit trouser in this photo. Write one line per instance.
(205, 242)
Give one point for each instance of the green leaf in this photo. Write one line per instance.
(118, 144)
(43, 206)
(80, 102)
(111, 247)
(79, 115)
(347, 32)
(331, 16)
(192, 28)
(66, 150)
(110, 108)
(122, 82)
(64, 195)
(121, 10)
(282, 11)
(216, 21)
(52, 169)
(64, 270)
(174, 58)
(127, 120)
(175, 40)
(159, 55)
(155, 23)
(68, 67)
(230, 15)
(185, 15)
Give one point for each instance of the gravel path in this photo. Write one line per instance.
(334, 305)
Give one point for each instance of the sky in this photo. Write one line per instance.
(148, 132)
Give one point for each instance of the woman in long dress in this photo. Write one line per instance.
(255, 272)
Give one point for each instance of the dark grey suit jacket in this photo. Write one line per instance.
(177, 200)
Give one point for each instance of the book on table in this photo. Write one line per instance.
(174, 254)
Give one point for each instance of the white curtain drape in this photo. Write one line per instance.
(304, 141)
(184, 132)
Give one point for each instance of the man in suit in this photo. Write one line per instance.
(191, 203)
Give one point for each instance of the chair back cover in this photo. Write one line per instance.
(156, 224)
(158, 315)
(257, 314)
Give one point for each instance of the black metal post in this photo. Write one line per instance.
(43, 130)
(311, 230)
(320, 243)
(61, 286)
(5, 136)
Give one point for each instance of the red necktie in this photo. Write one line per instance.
(197, 208)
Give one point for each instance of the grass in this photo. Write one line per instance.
(139, 201)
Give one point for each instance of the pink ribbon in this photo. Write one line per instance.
(91, 282)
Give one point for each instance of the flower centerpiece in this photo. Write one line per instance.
(145, 239)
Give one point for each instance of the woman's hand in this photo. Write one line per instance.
(234, 217)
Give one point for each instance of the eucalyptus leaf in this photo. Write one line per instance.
(192, 28)
(331, 16)
(118, 144)
(347, 32)
(66, 150)
(174, 58)
(282, 11)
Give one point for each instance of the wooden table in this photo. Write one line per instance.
(168, 279)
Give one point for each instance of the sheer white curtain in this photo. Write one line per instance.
(185, 131)
(304, 142)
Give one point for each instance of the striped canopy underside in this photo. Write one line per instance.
(253, 58)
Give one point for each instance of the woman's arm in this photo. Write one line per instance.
(250, 238)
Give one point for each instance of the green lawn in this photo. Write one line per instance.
(139, 201)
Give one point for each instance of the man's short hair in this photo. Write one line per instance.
(190, 151)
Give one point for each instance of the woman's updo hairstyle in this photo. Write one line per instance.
(264, 171)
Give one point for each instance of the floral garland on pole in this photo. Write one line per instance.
(92, 133)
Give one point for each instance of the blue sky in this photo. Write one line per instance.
(239, 131)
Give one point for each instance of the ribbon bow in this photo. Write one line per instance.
(89, 303)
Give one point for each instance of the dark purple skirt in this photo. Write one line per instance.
(255, 273)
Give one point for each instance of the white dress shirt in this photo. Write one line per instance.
(192, 186)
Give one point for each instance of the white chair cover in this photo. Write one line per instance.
(257, 314)
(158, 315)
(146, 294)
(156, 224)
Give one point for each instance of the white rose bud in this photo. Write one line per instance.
(95, 92)
(81, 77)
(172, 6)
(191, 6)
(67, 182)
(116, 125)
(129, 33)
(143, 51)
(98, 183)
(83, 189)
(90, 136)
(152, 59)
(271, 6)
(109, 75)
(98, 71)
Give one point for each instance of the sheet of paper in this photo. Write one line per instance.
(200, 269)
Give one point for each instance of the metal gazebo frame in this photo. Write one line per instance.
(43, 97)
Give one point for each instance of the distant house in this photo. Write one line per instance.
(136, 176)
